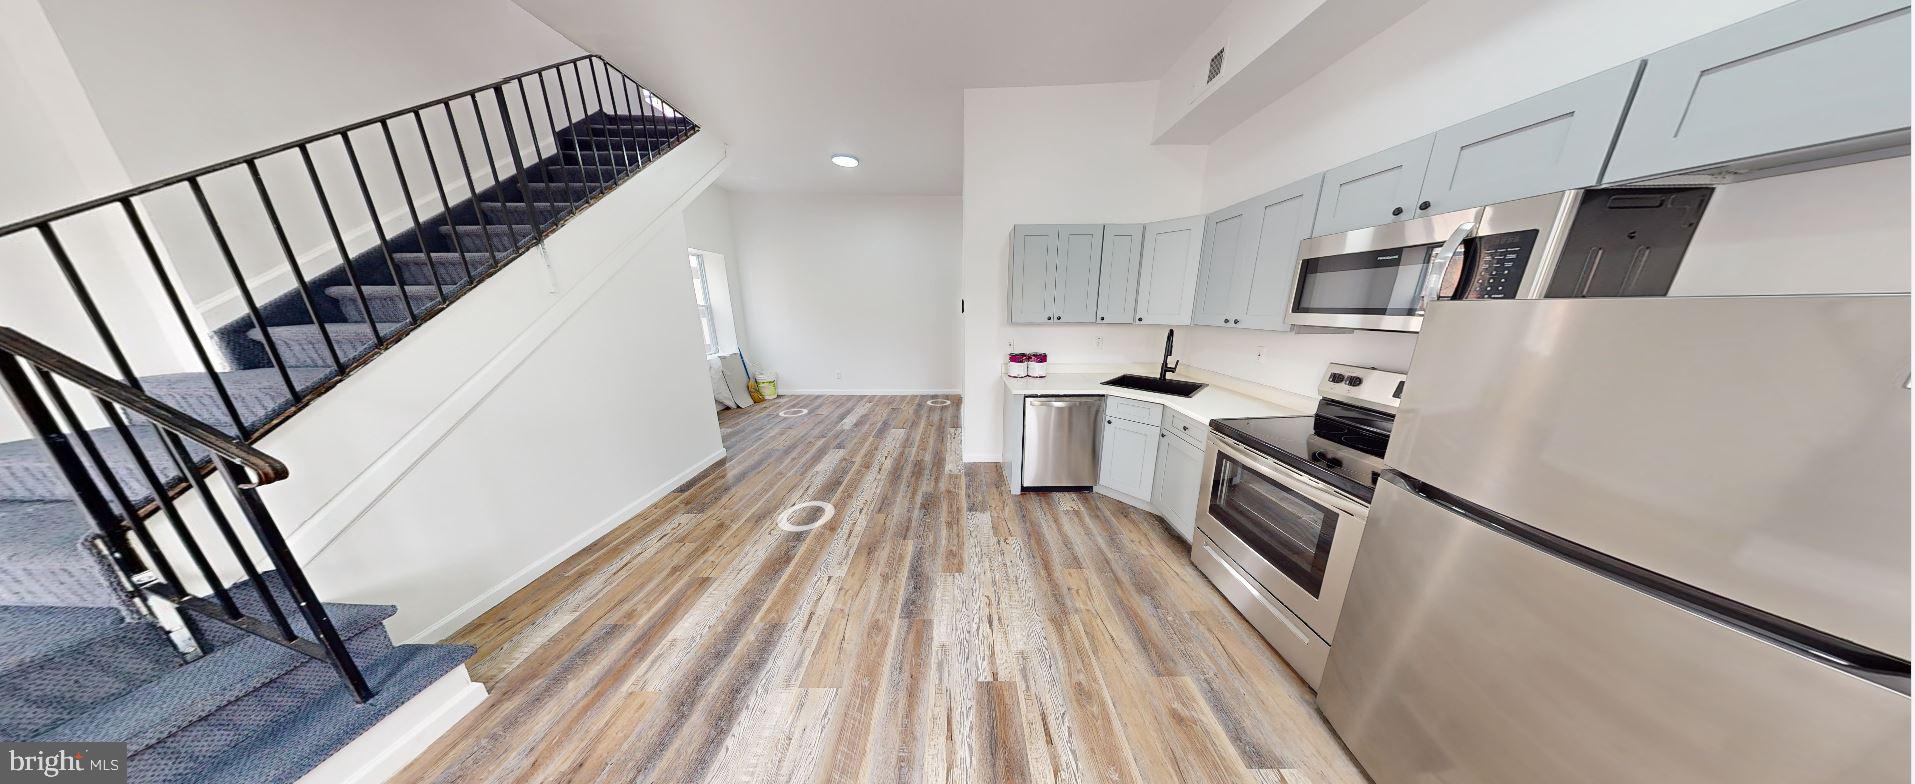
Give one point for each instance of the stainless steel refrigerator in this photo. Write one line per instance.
(1654, 539)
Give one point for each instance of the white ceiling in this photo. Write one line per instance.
(789, 82)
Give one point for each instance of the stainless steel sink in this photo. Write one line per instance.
(1161, 386)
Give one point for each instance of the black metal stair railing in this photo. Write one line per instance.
(33, 374)
(591, 112)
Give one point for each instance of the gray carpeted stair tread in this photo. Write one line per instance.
(258, 393)
(46, 559)
(516, 212)
(59, 662)
(503, 238)
(560, 190)
(384, 300)
(303, 345)
(296, 744)
(27, 474)
(584, 174)
(154, 710)
(451, 267)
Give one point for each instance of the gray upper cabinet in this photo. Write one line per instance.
(1373, 190)
(1814, 81)
(1285, 217)
(1031, 250)
(1250, 255)
(1548, 143)
(1117, 284)
(1054, 272)
(1230, 236)
(1080, 257)
(1167, 272)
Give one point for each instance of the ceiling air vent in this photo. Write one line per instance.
(1216, 67)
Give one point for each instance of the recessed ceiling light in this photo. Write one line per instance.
(844, 160)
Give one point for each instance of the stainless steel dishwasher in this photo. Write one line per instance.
(1060, 442)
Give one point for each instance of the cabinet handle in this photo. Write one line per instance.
(1100, 318)
(1109, 422)
(1396, 211)
(1423, 206)
(1140, 318)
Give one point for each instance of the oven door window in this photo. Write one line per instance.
(1369, 283)
(1290, 531)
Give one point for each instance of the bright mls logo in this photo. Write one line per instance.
(67, 763)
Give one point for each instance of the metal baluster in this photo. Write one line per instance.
(292, 263)
(571, 196)
(289, 570)
(245, 292)
(87, 305)
(345, 257)
(379, 226)
(538, 154)
(33, 411)
(129, 515)
(162, 497)
(572, 127)
(585, 108)
(432, 162)
(615, 87)
(612, 133)
(183, 461)
(471, 185)
(498, 183)
(654, 123)
(179, 313)
(418, 229)
(518, 161)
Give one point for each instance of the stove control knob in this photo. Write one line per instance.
(1355, 381)
(1336, 378)
(1323, 457)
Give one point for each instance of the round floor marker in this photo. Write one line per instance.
(827, 510)
(937, 402)
(792, 412)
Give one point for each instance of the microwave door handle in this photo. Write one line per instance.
(1440, 263)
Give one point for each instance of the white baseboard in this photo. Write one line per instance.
(782, 392)
(505, 588)
(385, 749)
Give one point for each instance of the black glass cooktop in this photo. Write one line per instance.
(1341, 445)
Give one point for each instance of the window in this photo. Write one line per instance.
(701, 294)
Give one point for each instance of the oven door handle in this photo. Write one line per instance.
(1292, 479)
(1440, 263)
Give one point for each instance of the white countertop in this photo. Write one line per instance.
(1211, 402)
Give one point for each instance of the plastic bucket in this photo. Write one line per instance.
(767, 384)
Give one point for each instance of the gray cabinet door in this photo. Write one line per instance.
(1076, 265)
(1551, 142)
(1283, 219)
(1178, 482)
(1229, 239)
(1032, 247)
(1167, 274)
(1128, 461)
(1373, 190)
(1117, 283)
(1811, 73)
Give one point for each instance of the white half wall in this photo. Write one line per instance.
(850, 294)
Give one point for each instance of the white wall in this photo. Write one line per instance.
(851, 294)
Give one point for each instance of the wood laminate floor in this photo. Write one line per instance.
(936, 629)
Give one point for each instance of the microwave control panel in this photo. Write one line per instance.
(1497, 263)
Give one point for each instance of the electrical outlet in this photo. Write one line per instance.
(1100, 341)
(837, 376)
(1259, 353)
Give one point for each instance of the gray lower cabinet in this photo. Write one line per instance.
(1117, 284)
(1812, 81)
(1547, 143)
(1178, 481)
(1373, 190)
(1054, 272)
(1250, 257)
(1167, 271)
(1128, 458)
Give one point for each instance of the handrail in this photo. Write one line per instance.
(268, 468)
(140, 190)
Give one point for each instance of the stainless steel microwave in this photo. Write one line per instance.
(1598, 242)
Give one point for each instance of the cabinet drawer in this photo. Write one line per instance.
(1186, 428)
(1133, 410)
